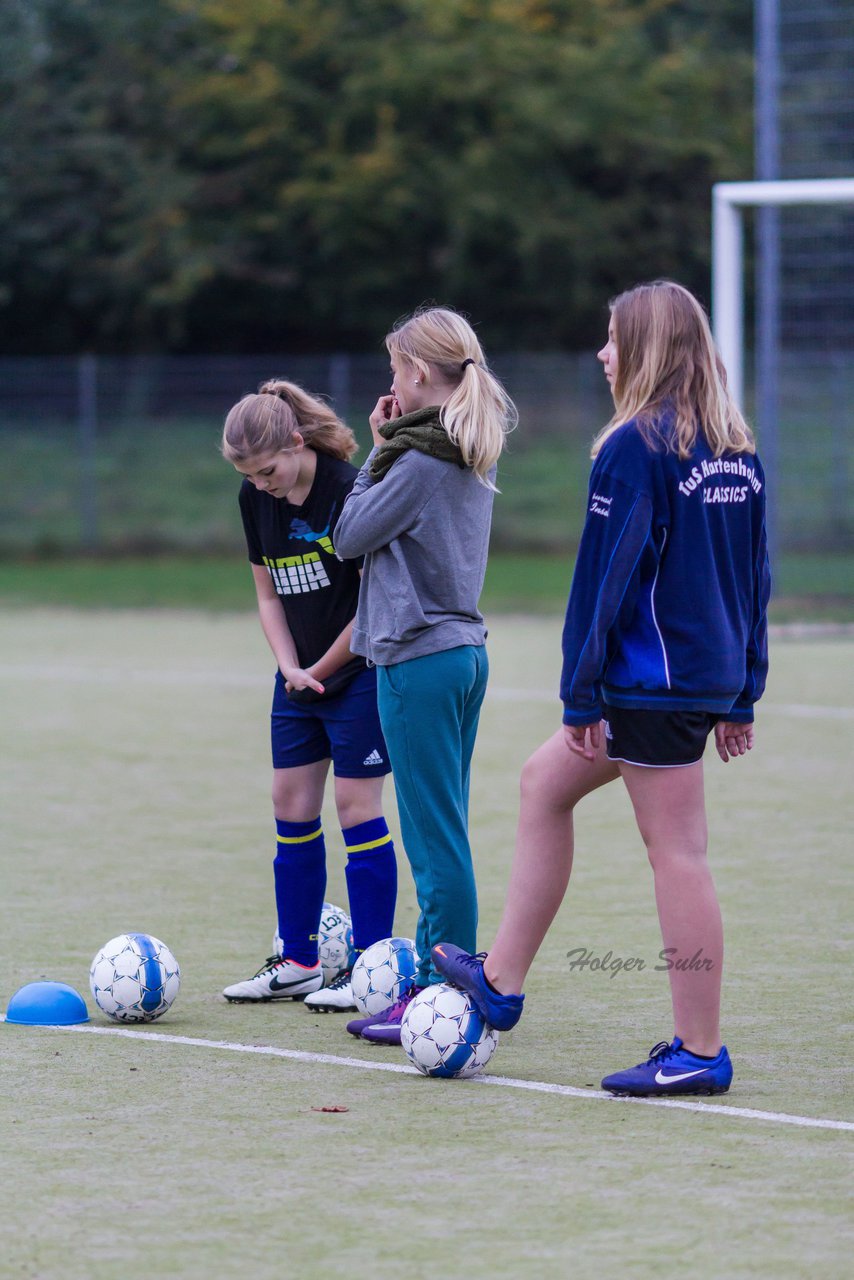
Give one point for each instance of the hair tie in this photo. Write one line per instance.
(465, 362)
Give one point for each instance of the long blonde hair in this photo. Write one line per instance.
(265, 423)
(667, 362)
(478, 413)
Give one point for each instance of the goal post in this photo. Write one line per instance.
(729, 199)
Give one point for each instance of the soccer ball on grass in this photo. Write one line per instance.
(134, 978)
(382, 973)
(334, 941)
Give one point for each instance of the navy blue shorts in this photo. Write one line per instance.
(345, 729)
(657, 739)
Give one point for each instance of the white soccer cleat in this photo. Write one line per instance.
(277, 979)
(336, 998)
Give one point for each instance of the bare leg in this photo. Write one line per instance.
(670, 809)
(553, 781)
(358, 800)
(298, 792)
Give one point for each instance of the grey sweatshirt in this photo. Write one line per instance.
(424, 533)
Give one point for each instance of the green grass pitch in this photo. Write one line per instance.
(135, 797)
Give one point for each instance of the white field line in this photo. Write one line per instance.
(238, 680)
(105, 675)
(507, 1082)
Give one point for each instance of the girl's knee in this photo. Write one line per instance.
(358, 800)
(685, 852)
(530, 780)
(295, 804)
(351, 813)
(540, 787)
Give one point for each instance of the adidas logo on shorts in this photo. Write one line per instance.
(373, 758)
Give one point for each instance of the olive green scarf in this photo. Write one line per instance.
(420, 430)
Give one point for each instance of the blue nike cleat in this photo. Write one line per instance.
(670, 1071)
(466, 971)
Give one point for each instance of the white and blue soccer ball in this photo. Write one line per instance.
(334, 941)
(134, 978)
(382, 973)
(443, 1034)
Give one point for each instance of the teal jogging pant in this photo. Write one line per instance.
(429, 709)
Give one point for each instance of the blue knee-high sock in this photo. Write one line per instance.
(299, 873)
(371, 873)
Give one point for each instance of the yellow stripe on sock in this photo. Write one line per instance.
(312, 835)
(369, 844)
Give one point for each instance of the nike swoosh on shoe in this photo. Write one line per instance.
(276, 985)
(661, 1078)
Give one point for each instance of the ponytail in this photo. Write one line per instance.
(265, 423)
(479, 413)
(477, 416)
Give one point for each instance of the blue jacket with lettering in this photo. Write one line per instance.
(668, 603)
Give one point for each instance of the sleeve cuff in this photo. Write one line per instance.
(739, 715)
(592, 716)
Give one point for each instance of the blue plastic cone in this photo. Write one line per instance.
(47, 1004)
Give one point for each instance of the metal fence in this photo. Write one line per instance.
(121, 454)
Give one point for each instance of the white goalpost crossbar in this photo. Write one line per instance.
(728, 200)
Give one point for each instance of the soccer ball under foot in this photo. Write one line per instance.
(443, 1034)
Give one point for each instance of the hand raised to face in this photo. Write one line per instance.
(385, 410)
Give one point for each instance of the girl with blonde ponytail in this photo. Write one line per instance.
(293, 453)
(664, 644)
(441, 352)
(420, 514)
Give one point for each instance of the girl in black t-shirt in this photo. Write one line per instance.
(293, 453)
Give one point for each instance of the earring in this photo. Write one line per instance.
(418, 382)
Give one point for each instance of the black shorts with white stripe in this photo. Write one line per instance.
(657, 739)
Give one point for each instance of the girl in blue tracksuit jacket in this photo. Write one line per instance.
(664, 643)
